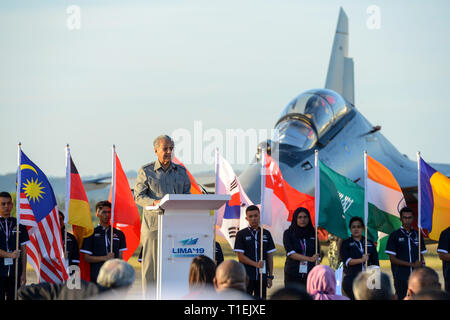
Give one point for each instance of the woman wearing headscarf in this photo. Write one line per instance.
(300, 244)
(321, 284)
(352, 254)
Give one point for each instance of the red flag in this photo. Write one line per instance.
(125, 215)
(195, 189)
(280, 201)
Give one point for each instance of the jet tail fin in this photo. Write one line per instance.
(340, 76)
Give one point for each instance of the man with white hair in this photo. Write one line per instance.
(153, 182)
(372, 284)
(118, 276)
(114, 280)
(116, 273)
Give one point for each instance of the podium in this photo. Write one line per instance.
(185, 230)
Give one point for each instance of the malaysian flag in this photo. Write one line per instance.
(39, 213)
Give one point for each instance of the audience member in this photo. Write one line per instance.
(321, 284)
(118, 276)
(231, 281)
(114, 279)
(201, 276)
(372, 285)
(423, 278)
(291, 291)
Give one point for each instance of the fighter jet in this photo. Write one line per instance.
(327, 120)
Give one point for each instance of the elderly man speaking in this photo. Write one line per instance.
(153, 182)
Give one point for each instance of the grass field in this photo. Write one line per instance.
(431, 257)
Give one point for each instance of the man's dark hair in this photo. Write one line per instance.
(101, 204)
(251, 208)
(406, 209)
(291, 292)
(427, 278)
(5, 194)
(356, 219)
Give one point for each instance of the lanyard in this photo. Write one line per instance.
(107, 241)
(360, 246)
(7, 232)
(409, 244)
(303, 245)
(408, 235)
(255, 234)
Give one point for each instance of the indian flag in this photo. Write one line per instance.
(383, 201)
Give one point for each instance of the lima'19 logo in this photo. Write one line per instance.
(184, 252)
(189, 242)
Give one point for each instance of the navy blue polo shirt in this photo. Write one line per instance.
(444, 247)
(8, 239)
(219, 253)
(248, 242)
(73, 251)
(404, 245)
(354, 249)
(293, 244)
(98, 244)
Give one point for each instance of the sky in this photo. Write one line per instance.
(136, 69)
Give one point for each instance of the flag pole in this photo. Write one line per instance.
(19, 184)
(366, 209)
(66, 215)
(263, 185)
(216, 170)
(316, 197)
(113, 193)
(419, 196)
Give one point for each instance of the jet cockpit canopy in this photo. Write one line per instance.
(309, 117)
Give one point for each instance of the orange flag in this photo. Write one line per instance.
(195, 189)
(125, 214)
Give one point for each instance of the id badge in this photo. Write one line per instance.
(303, 267)
(8, 261)
(263, 269)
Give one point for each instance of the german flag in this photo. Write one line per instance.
(78, 213)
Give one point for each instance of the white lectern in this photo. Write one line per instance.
(185, 230)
